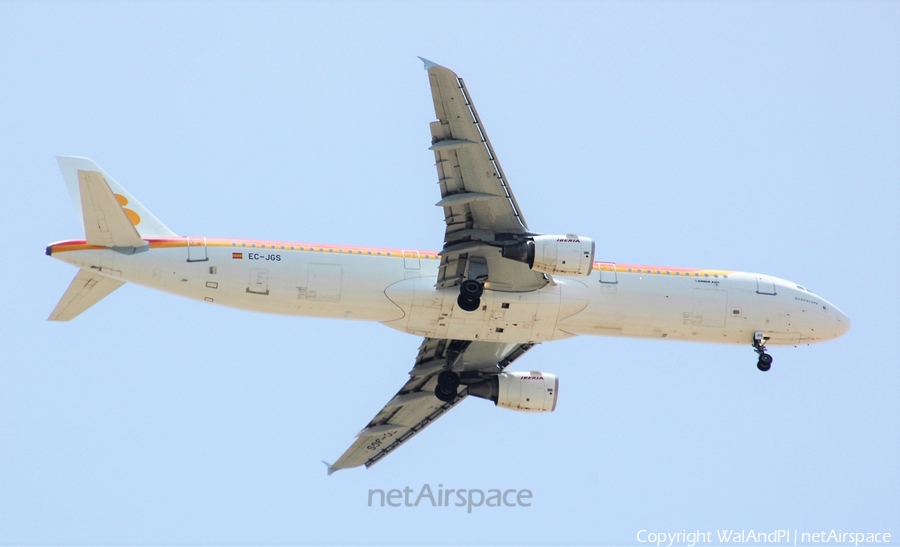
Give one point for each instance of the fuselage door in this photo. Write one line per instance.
(259, 281)
(608, 273)
(764, 284)
(196, 249)
(411, 260)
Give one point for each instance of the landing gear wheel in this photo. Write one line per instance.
(445, 395)
(468, 304)
(759, 345)
(470, 292)
(448, 380)
(471, 289)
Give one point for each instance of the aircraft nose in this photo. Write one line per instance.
(842, 323)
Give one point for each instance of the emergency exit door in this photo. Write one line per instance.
(259, 281)
(196, 249)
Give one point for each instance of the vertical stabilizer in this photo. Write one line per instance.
(105, 221)
(75, 169)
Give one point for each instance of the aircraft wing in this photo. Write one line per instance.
(481, 215)
(480, 209)
(415, 406)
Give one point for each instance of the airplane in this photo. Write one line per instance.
(494, 290)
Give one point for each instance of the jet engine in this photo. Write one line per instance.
(523, 391)
(564, 255)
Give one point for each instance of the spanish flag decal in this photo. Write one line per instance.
(237, 255)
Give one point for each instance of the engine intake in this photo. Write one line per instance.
(563, 255)
(523, 391)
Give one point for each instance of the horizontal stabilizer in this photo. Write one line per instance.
(85, 290)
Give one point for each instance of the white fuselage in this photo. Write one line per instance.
(397, 288)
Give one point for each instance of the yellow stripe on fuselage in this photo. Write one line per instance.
(169, 243)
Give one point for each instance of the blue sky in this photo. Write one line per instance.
(761, 137)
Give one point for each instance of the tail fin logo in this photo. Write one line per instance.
(132, 216)
(119, 199)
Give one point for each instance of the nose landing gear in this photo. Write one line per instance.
(759, 345)
(470, 292)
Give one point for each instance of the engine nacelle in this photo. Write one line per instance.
(563, 255)
(523, 391)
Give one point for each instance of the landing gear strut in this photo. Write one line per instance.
(447, 384)
(470, 292)
(759, 345)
